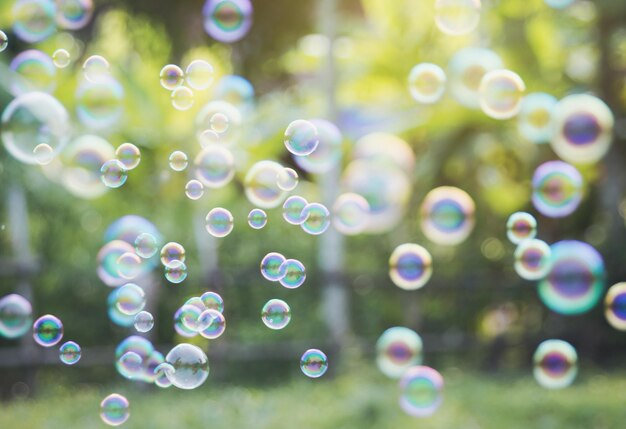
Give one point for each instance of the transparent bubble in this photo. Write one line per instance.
(271, 266)
(501, 93)
(96, 68)
(227, 20)
(212, 324)
(191, 366)
(194, 189)
(293, 273)
(129, 265)
(521, 226)
(199, 75)
(34, 71)
(107, 261)
(48, 330)
(99, 105)
(466, 70)
(61, 58)
(327, 153)
(219, 222)
(257, 218)
(614, 306)
(171, 77)
(146, 245)
(33, 20)
(144, 321)
(398, 349)
(583, 129)
(427, 83)
(575, 282)
(212, 301)
(149, 365)
(214, 166)
(129, 155)
(82, 158)
(293, 210)
(557, 189)
(220, 117)
(287, 179)
(314, 363)
(235, 90)
(16, 316)
(421, 391)
(162, 374)
(457, 17)
(220, 123)
(135, 358)
(114, 410)
(261, 187)
(178, 160)
(44, 154)
(180, 327)
(172, 251)
(69, 353)
(555, 364)
(129, 365)
(32, 119)
(350, 213)
(316, 219)
(113, 173)
(182, 98)
(301, 137)
(73, 14)
(208, 137)
(410, 266)
(116, 316)
(447, 215)
(276, 314)
(131, 299)
(532, 259)
(176, 272)
(535, 120)
(190, 316)
(4, 41)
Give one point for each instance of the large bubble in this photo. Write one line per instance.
(260, 184)
(215, 166)
(191, 366)
(535, 120)
(227, 20)
(34, 71)
(82, 159)
(500, 94)
(557, 189)
(99, 104)
(421, 391)
(33, 20)
(328, 151)
(410, 266)
(427, 83)
(466, 70)
(397, 349)
(555, 364)
(457, 17)
(114, 410)
(73, 14)
(447, 215)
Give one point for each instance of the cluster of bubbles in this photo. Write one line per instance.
(290, 273)
(201, 315)
(198, 76)
(36, 20)
(313, 218)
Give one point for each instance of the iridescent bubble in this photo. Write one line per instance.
(521, 226)
(162, 374)
(447, 215)
(129, 365)
(107, 261)
(276, 314)
(327, 153)
(96, 68)
(555, 364)
(190, 316)
(137, 345)
(116, 316)
(261, 187)
(501, 93)
(235, 90)
(113, 173)
(171, 77)
(421, 391)
(214, 166)
(129, 265)
(178, 160)
(191, 366)
(398, 349)
(219, 123)
(61, 58)
(427, 83)
(33, 20)
(199, 74)
(212, 324)
(32, 119)
(219, 222)
(301, 137)
(316, 219)
(114, 410)
(271, 266)
(557, 189)
(257, 218)
(227, 20)
(535, 120)
(583, 129)
(4, 41)
(48, 330)
(180, 327)
(172, 251)
(212, 301)
(149, 365)
(614, 306)
(575, 282)
(457, 17)
(182, 98)
(532, 259)
(466, 70)
(293, 273)
(350, 213)
(16, 316)
(146, 245)
(131, 299)
(69, 353)
(99, 105)
(410, 266)
(129, 155)
(44, 154)
(220, 117)
(73, 14)
(176, 272)
(314, 363)
(34, 71)
(144, 321)
(194, 189)
(128, 228)
(82, 159)
(287, 179)
(293, 210)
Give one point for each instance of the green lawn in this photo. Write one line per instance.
(358, 399)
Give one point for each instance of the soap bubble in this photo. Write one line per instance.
(220, 117)
(235, 90)
(73, 14)
(466, 70)
(410, 266)
(194, 189)
(208, 137)
(129, 265)
(146, 245)
(69, 353)
(219, 123)
(162, 374)
(257, 218)
(457, 17)
(533, 259)
(131, 299)
(82, 158)
(44, 154)
(219, 222)
(171, 77)
(520, 226)
(107, 258)
(172, 251)
(113, 173)
(500, 94)
(350, 213)
(33, 20)
(16, 316)
(129, 365)
(182, 98)
(34, 71)
(176, 272)
(180, 327)
(48, 330)
(99, 105)
(114, 410)
(328, 151)
(293, 210)
(301, 137)
(535, 119)
(314, 363)
(214, 166)
(191, 366)
(199, 74)
(287, 179)
(447, 215)
(316, 219)
(129, 155)
(190, 316)
(271, 266)
(293, 273)
(144, 321)
(212, 301)
(227, 20)
(4, 41)
(212, 324)
(427, 83)
(178, 160)
(398, 349)
(421, 391)
(96, 68)
(260, 185)
(614, 306)
(555, 364)
(276, 314)
(61, 58)
(557, 189)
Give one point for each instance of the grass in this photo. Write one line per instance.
(359, 399)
